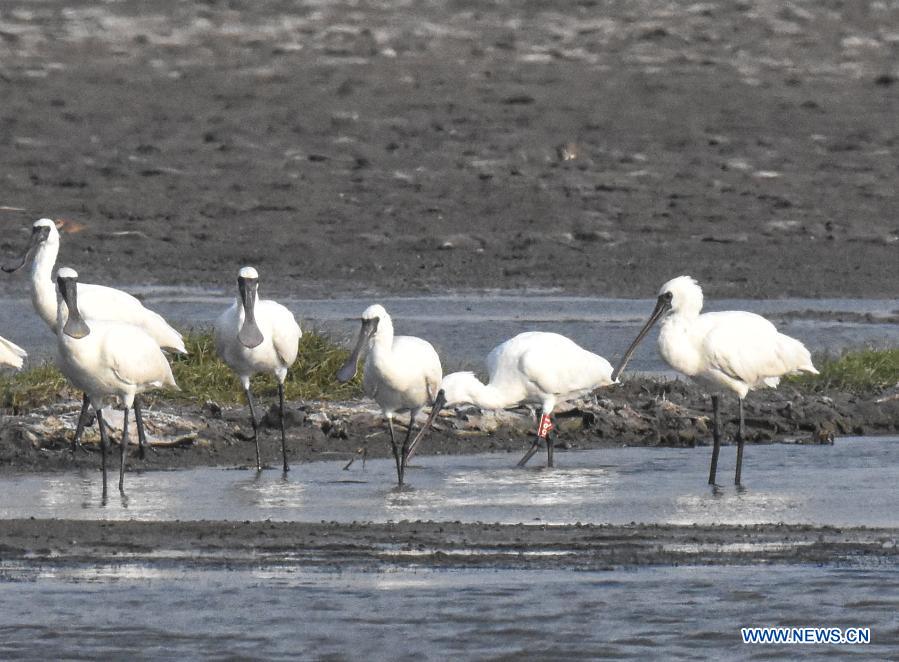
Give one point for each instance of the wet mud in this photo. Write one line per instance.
(590, 147)
(639, 412)
(438, 544)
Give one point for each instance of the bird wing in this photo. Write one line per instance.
(135, 358)
(285, 331)
(99, 302)
(559, 366)
(11, 354)
(747, 347)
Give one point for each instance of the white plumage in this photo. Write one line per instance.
(258, 336)
(535, 368)
(96, 302)
(734, 350)
(11, 355)
(401, 373)
(107, 360)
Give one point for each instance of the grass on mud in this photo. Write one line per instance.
(202, 376)
(863, 370)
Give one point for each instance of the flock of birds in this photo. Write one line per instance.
(113, 349)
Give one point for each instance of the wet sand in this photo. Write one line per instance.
(593, 148)
(438, 544)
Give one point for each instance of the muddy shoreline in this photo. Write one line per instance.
(581, 148)
(325, 545)
(639, 412)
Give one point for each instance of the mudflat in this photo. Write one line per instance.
(384, 147)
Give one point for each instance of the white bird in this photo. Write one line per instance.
(11, 355)
(401, 373)
(532, 368)
(735, 350)
(97, 303)
(258, 336)
(106, 360)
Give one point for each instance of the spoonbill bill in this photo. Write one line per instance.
(734, 350)
(107, 360)
(11, 355)
(254, 336)
(97, 303)
(401, 373)
(532, 368)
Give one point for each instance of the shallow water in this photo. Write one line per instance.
(125, 610)
(851, 483)
(465, 328)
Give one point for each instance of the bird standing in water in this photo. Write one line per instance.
(735, 351)
(254, 336)
(401, 373)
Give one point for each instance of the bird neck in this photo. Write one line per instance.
(43, 291)
(382, 341)
(487, 396)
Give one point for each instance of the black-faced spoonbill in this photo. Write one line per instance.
(258, 336)
(734, 350)
(11, 355)
(107, 360)
(97, 303)
(401, 373)
(532, 368)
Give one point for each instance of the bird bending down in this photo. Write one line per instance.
(254, 336)
(532, 368)
(107, 360)
(734, 350)
(11, 355)
(401, 373)
(97, 303)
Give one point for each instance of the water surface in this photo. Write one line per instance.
(851, 483)
(682, 613)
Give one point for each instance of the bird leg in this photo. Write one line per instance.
(544, 426)
(547, 423)
(124, 453)
(255, 425)
(716, 440)
(436, 406)
(82, 421)
(281, 419)
(404, 456)
(396, 450)
(141, 433)
(741, 431)
(104, 446)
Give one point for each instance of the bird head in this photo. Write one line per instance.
(43, 232)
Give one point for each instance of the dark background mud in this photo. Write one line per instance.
(390, 147)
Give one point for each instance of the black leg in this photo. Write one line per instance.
(396, 450)
(255, 426)
(124, 453)
(547, 433)
(141, 434)
(283, 434)
(741, 431)
(406, 446)
(82, 421)
(533, 449)
(104, 446)
(436, 406)
(716, 439)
